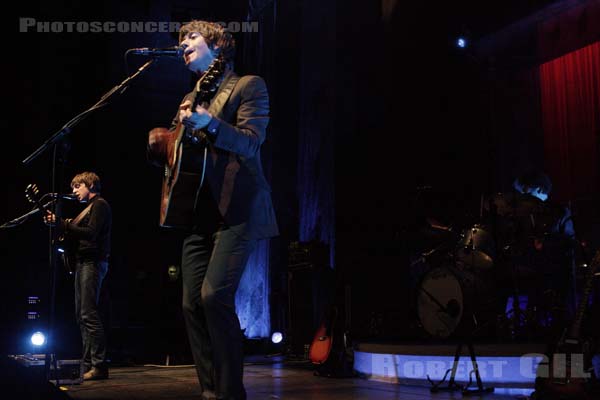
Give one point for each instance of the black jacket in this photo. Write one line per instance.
(234, 171)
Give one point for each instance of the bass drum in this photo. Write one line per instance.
(455, 302)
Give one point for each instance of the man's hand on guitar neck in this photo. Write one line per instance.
(198, 119)
(50, 219)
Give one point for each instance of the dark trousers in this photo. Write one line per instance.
(88, 281)
(212, 265)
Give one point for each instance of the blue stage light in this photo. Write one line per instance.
(38, 339)
(461, 42)
(276, 337)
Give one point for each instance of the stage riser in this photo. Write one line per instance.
(509, 372)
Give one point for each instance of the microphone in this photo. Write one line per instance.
(63, 196)
(173, 51)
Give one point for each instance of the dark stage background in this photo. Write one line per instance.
(378, 120)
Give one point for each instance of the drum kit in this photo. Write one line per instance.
(471, 277)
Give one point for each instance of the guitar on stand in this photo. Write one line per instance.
(331, 350)
(321, 346)
(183, 154)
(563, 377)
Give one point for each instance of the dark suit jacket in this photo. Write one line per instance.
(234, 171)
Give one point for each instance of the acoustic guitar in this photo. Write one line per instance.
(67, 249)
(183, 154)
(562, 381)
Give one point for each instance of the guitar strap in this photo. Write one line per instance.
(77, 219)
(216, 106)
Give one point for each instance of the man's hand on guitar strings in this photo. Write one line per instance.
(193, 120)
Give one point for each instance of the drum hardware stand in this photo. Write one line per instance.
(524, 320)
(452, 385)
(516, 304)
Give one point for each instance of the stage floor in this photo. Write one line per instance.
(289, 381)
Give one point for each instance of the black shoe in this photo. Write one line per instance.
(96, 374)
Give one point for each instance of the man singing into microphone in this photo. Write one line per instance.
(89, 232)
(233, 209)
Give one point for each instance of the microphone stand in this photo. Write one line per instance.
(19, 220)
(60, 145)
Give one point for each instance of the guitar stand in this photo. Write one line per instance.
(452, 385)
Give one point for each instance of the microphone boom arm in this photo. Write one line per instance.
(101, 103)
(19, 220)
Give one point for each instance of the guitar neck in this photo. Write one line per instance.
(197, 98)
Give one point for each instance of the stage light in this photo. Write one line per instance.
(38, 339)
(60, 250)
(276, 337)
(461, 42)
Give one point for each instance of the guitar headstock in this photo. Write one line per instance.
(208, 83)
(32, 193)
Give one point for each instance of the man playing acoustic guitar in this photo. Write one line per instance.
(225, 125)
(89, 233)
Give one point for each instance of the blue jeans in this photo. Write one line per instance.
(88, 281)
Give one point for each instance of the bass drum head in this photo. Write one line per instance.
(440, 302)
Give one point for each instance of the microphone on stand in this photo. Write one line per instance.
(63, 196)
(173, 51)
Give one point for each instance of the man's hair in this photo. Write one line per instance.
(91, 180)
(534, 179)
(215, 35)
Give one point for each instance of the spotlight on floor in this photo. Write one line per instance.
(461, 42)
(38, 339)
(276, 337)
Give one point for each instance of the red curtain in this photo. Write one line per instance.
(570, 105)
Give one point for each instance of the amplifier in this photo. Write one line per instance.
(68, 372)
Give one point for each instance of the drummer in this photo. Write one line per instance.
(551, 248)
(537, 184)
